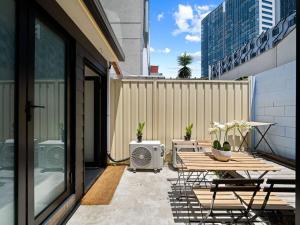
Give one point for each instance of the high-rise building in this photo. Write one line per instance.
(284, 8)
(232, 24)
(130, 22)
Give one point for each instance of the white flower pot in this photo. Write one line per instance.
(221, 155)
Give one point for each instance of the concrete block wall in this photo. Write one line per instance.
(275, 101)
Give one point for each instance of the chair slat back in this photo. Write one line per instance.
(236, 184)
(273, 183)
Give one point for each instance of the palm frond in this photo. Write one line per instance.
(184, 59)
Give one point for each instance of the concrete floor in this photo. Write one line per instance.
(147, 198)
(141, 198)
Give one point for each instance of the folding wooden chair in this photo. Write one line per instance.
(223, 203)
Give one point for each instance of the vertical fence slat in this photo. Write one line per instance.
(149, 111)
(126, 117)
(161, 112)
(169, 115)
(184, 107)
(177, 110)
(207, 108)
(192, 99)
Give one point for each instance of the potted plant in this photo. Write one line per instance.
(188, 132)
(221, 152)
(139, 131)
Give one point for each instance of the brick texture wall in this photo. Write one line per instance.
(275, 101)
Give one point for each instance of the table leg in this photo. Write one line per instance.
(263, 138)
(244, 139)
(263, 174)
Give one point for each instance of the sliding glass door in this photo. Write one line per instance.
(49, 117)
(48, 108)
(34, 82)
(7, 106)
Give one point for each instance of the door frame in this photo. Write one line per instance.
(100, 109)
(96, 82)
(26, 12)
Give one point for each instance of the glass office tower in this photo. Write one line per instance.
(287, 7)
(232, 24)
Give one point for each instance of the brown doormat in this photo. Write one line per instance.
(104, 188)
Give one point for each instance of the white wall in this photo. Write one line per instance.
(275, 101)
(127, 21)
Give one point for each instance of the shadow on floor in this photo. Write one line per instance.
(90, 176)
(180, 205)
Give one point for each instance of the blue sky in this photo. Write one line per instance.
(175, 27)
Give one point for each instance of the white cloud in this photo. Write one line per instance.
(203, 7)
(182, 18)
(164, 51)
(193, 38)
(160, 16)
(196, 56)
(188, 20)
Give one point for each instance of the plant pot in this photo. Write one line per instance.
(221, 155)
(139, 138)
(187, 138)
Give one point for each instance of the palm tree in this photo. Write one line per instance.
(184, 60)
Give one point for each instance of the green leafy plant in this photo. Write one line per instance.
(217, 129)
(184, 60)
(217, 145)
(140, 128)
(188, 131)
(226, 146)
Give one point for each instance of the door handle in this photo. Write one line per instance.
(29, 107)
(37, 106)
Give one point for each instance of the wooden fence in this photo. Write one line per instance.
(167, 106)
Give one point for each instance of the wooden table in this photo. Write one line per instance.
(240, 161)
(256, 126)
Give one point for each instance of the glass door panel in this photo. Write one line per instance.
(49, 117)
(7, 87)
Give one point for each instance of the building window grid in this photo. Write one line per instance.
(241, 24)
(267, 18)
(266, 7)
(267, 13)
(267, 2)
(266, 23)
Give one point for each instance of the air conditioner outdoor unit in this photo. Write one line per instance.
(146, 155)
(181, 148)
(51, 155)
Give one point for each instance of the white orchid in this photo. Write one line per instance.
(217, 128)
(229, 126)
(244, 125)
(212, 130)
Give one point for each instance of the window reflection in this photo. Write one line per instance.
(49, 117)
(7, 86)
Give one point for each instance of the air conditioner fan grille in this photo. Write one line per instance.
(141, 156)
